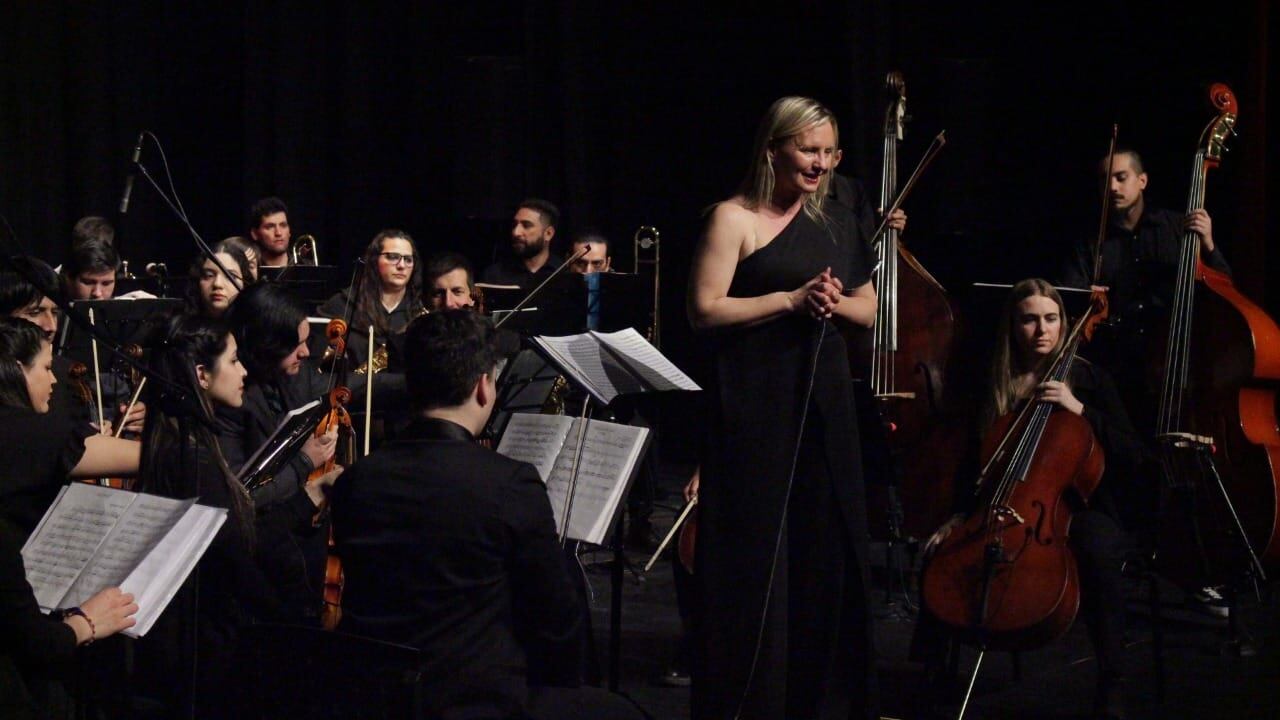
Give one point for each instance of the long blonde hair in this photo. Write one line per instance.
(786, 118)
(1007, 361)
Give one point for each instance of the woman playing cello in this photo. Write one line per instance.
(1029, 335)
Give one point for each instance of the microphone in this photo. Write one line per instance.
(128, 183)
(520, 305)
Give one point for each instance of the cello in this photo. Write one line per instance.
(1217, 436)
(1006, 579)
(906, 365)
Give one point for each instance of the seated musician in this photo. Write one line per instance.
(451, 548)
(182, 459)
(1031, 331)
(35, 648)
(388, 294)
(20, 298)
(449, 281)
(530, 260)
(271, 331)
(596, 260)
(210, 291)
(268, 225)
(90, 274)
(241, 244)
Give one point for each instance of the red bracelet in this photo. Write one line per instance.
(93, 630)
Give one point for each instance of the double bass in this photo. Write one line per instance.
(906, 365)
(1217, 436)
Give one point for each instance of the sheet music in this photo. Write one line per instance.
(93, 537)
(136, 533)
(609, 454)
(159, 575)
(535, 439)
(591, 367)
(654, 367)
(64, 543)
(270, 444)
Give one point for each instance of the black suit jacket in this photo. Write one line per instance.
(451, 547)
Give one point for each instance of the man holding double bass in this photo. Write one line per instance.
(1138, 267)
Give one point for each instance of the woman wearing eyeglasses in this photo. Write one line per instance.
(388, 293)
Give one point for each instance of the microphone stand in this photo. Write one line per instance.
(520, 305)
(204, 248)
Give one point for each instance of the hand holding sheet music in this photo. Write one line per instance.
(93, 538)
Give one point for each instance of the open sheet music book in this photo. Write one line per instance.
(94, 537)
(293, 430)
(610, 454)
(607, 365)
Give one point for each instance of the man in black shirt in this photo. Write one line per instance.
(1139, 264)
(451, 548)
(531, 260)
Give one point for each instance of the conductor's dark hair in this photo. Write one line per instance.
(443, 263)
(265, 318)
(18, 293)
(95, 228)
(182, 343)
(264, 207)
(445, 354)
(91, 256)
(549, 213)
(20, 342)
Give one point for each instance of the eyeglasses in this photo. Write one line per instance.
(396, 258)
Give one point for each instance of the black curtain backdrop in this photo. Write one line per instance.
(438, 117)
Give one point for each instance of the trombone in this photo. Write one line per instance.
(646, 246)
(304, 251)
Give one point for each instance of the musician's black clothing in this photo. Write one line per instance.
(451, 548)
(291, 549)
(33, 646)
(816, 648)
(397, 320)
(1139, 267)
(38, 451)
(511, 271)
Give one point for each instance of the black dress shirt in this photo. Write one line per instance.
(513, 272)
(450, 547)
(1139, 266)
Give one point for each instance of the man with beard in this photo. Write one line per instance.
(269, 228)
(531, 260)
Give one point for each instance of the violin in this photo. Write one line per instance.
(336, 417)
(1006, 578)
(1217, 437)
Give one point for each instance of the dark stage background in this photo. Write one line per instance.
(438, 117)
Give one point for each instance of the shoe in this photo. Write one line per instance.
(1209, 600)
(672, 677)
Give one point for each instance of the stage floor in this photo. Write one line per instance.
(1206, 675)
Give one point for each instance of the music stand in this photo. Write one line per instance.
(559, 309)
(314, 284)
(525, 386)
(120, 320)
(625, 301)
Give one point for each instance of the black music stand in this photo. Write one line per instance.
(120, 320)
(625, 300)
(525, 386)
(559, 309)
(314, 284)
